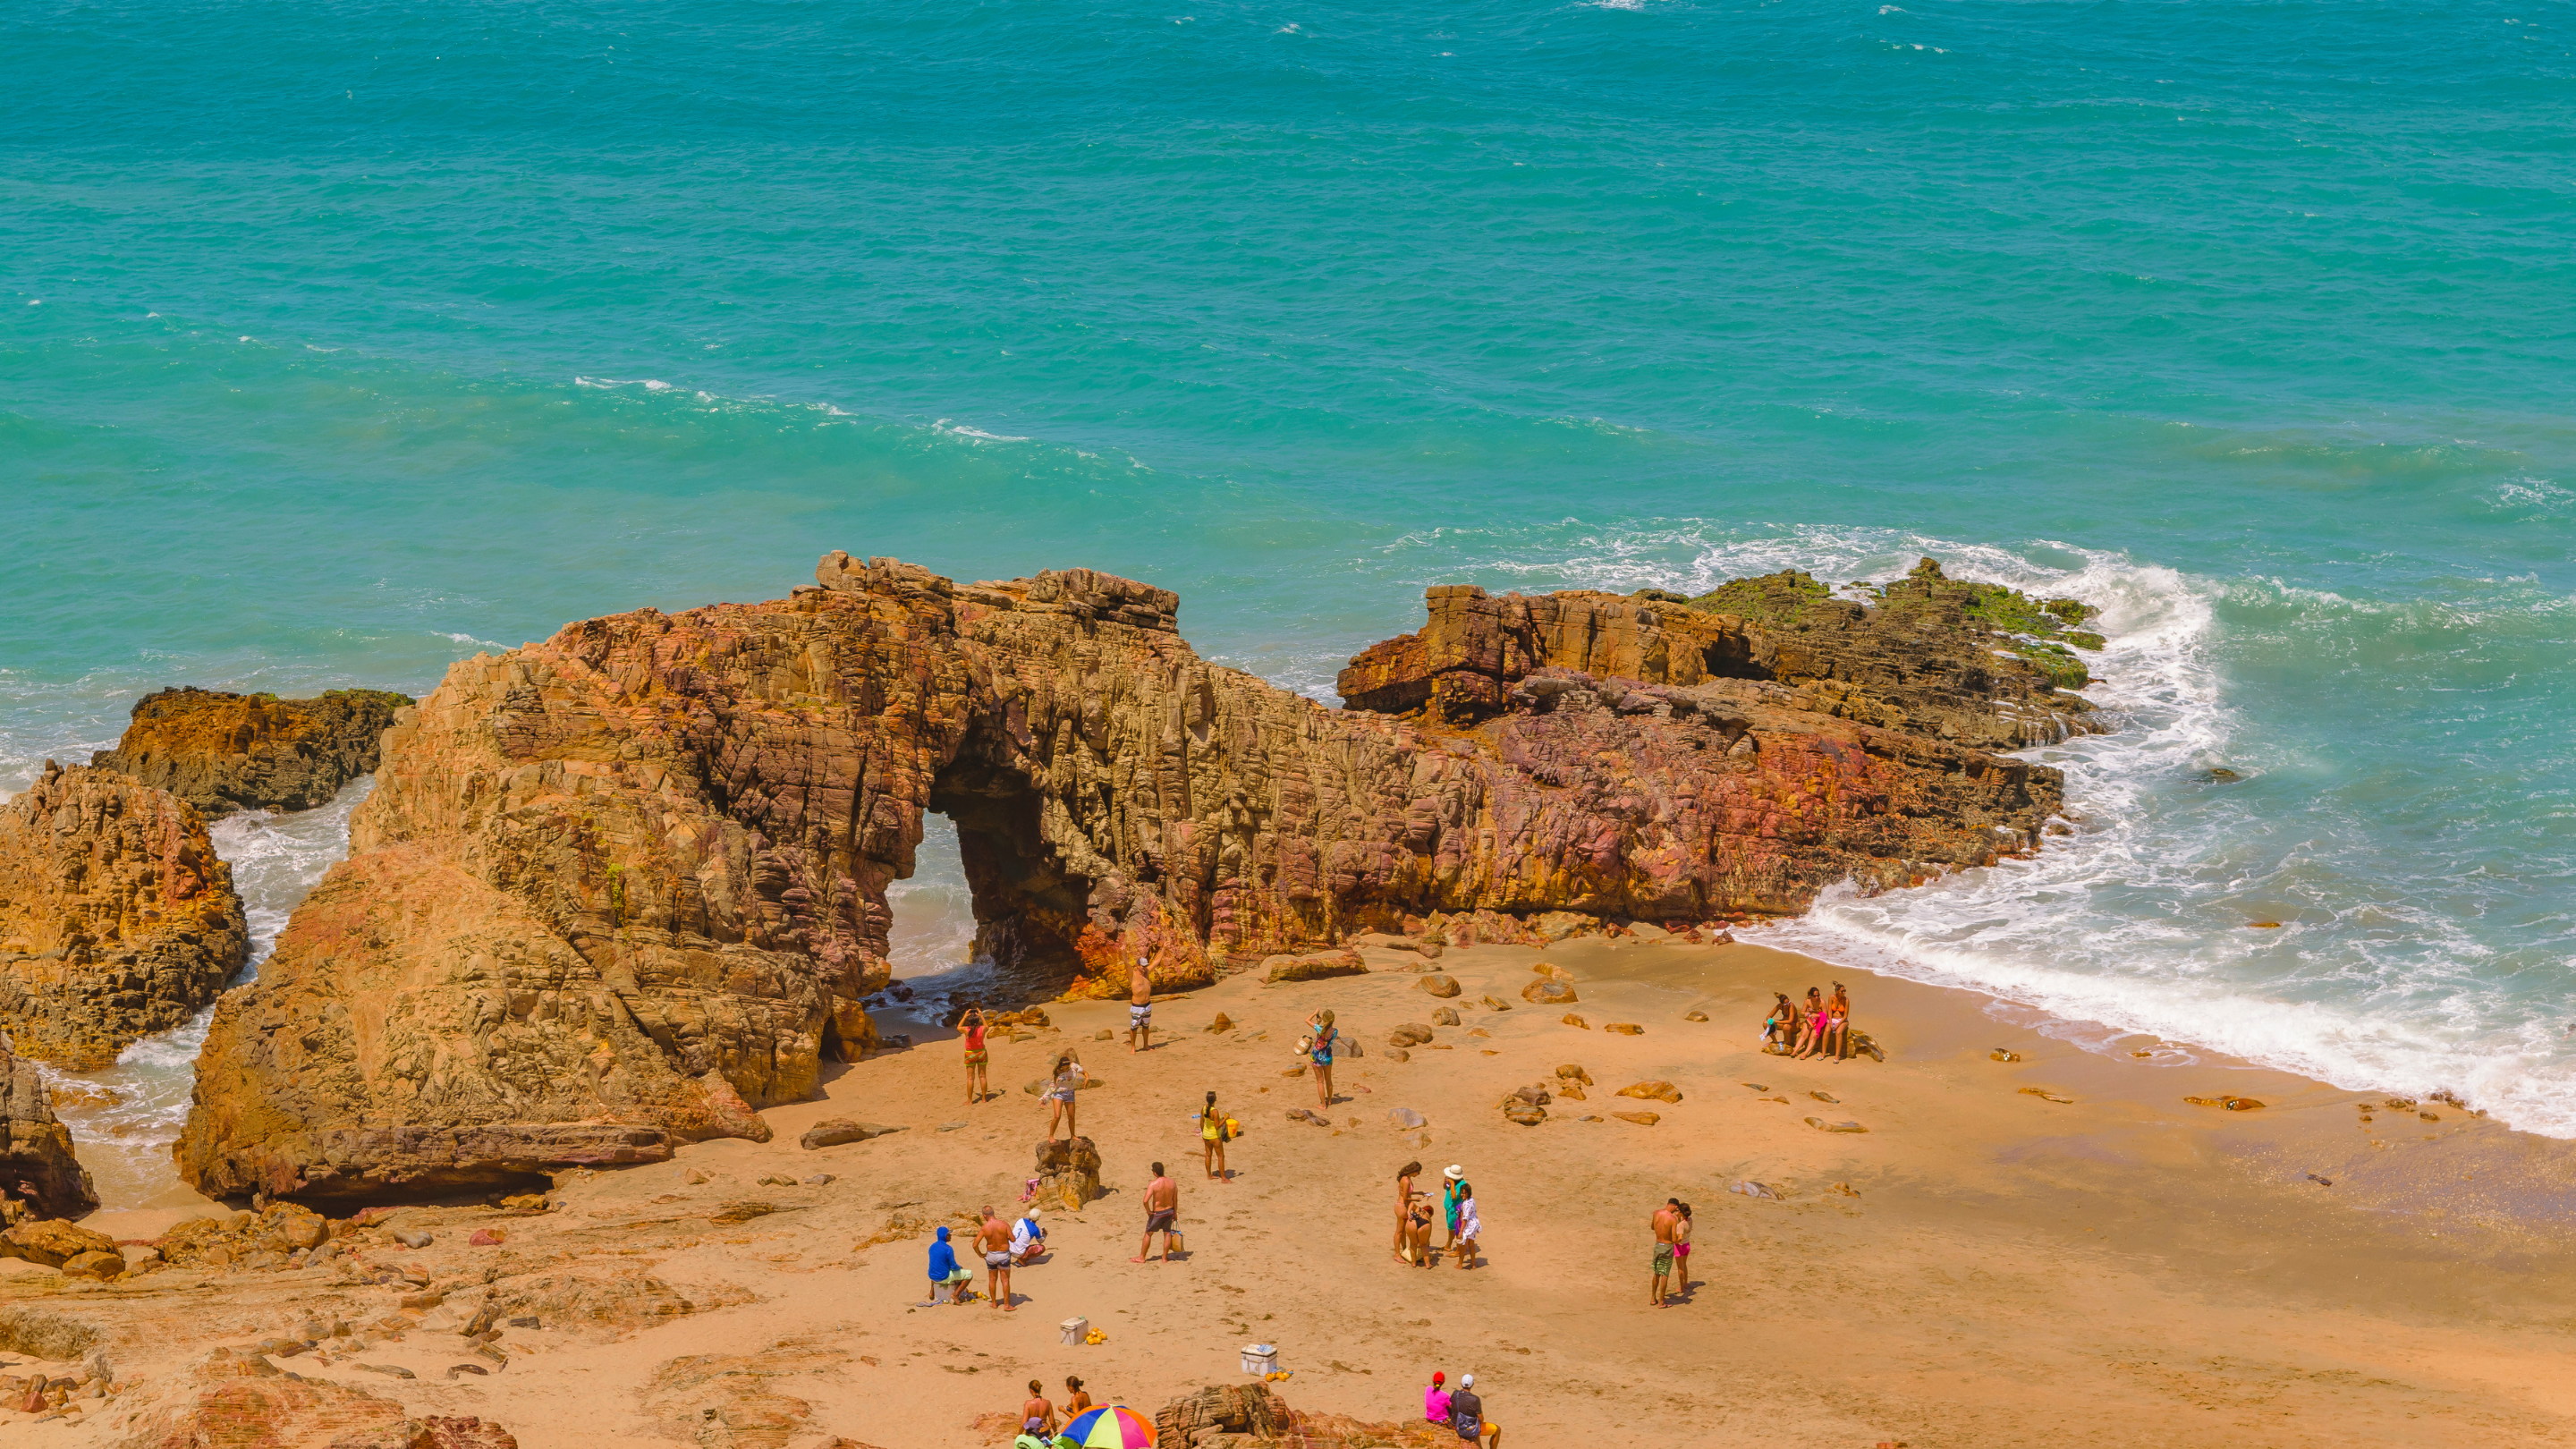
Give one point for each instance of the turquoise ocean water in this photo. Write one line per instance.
(340, 340)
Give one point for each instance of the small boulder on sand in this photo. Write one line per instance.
(1438, 983)
(837, 1130)
(1652, 1091)
(1549, 993)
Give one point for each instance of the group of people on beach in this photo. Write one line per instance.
(1816, 1027)
(1005, 1244)
(1413, 1217)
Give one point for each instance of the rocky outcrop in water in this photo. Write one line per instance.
(117, 918)
(622, 887)
(36, 1163)
(227, 752)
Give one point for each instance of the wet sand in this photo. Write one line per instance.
(2120, 1267)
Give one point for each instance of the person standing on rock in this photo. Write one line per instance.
(1140, 1007)
(972, 1027)
(1162, 1210)
(1212, 1140)
(1062, 1082)
(994, 1241)
(1322, 1037)
(1662, 1224)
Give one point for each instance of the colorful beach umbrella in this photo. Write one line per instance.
(1111, 1426)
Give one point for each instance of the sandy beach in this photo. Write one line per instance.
(1984, 1264)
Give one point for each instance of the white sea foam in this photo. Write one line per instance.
(276, 861)
(2137, 923)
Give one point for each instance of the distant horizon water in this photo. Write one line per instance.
(337, 344)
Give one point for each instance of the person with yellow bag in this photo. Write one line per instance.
(1215, 1129)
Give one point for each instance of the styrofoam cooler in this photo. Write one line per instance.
(1260, 1358)
(1073, 1330)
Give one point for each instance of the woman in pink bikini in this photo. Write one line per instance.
(1811, 1037)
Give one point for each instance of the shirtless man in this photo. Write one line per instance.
(1140, 1008)
(1662, 1223)
(1037, 1416)
(993, 1240)
(1162, 1208)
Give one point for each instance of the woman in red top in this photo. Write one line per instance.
(972, 1026)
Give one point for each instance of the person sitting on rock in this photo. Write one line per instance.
(1027, 1238)
(946, 1276)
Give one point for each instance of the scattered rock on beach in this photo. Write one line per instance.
(2041, 1093)
(1549, 993)
(1398, 1054)
(838, 1130)
(1999, 1054)
(1323, 965)
(1625, 1028)
(1223, 1022)
(1409, 1034)
(1642, 1119)
(1438, 983)
(1445, 1016)
(1526, 1114)
(1573, 1020)
(1694, 1016)
(2232, 1104)
(1573, 1073)
(1821, 1125)
(1652, 1091)
(1496, 1003)
(1749, 1188)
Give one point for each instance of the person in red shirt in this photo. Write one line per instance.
(971, 1026)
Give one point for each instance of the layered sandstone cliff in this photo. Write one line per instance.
(117, 918)
(227, 752)
(617, 887)
(37, 1168)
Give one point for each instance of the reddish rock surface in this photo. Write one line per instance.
(225, 752)
(117, 919)
(623, 887)
(38, 1173)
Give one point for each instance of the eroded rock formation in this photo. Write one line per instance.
(227, 752)
(616, 889)
(117, 918)
(36, 1163)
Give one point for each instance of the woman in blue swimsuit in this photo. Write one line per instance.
(1322, 1038)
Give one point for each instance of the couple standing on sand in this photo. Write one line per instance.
(1672, 1225)
(1413, 1217)
(1817, 1027)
